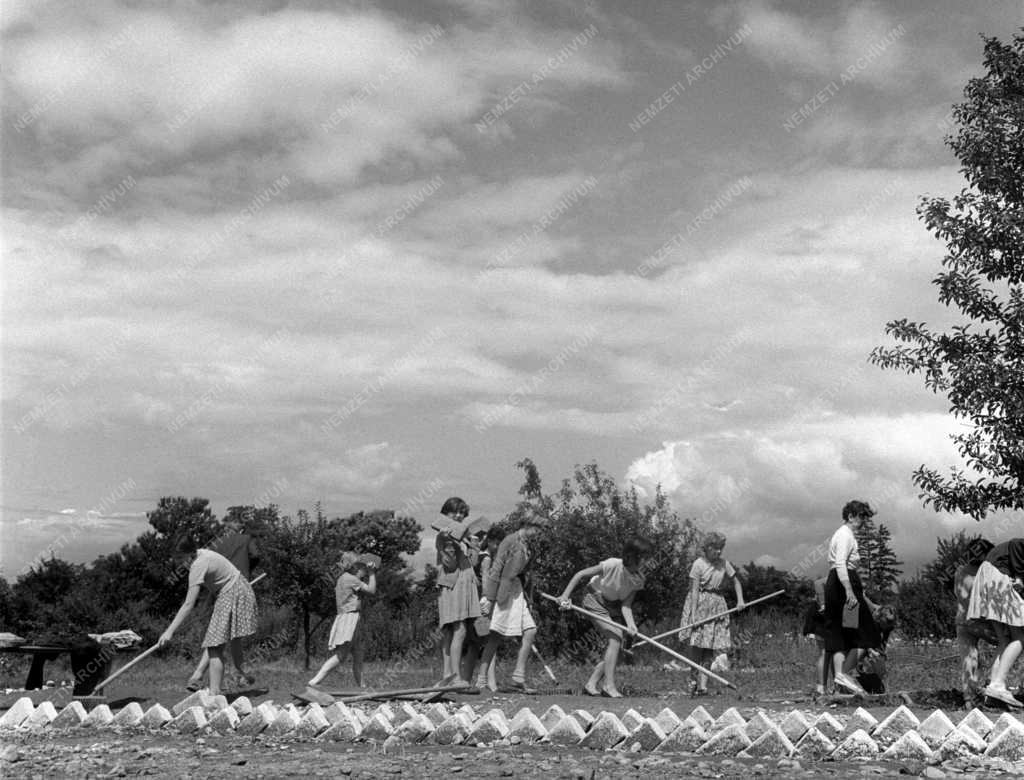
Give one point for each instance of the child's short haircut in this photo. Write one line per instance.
(495, 534)
(455, 505)
(636, 548)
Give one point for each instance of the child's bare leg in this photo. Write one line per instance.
(593, 686)
(332, 661)
(488, 661)
(707, 656)
(238, 659)
(823, 669)
(969, 671)
(611, 658)
(492, 674)
(470, 659)
(357, 662)
(197, 675)
(216, 669)
(455, 649)
(519, 675)
(446, 652)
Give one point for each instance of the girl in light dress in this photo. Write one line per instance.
(710, 578)
(357, 578)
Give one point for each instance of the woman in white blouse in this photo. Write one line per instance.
(848, 621)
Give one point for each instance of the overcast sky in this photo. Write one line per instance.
(373, 254)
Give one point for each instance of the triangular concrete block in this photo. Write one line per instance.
(857, 745)
(198, 699)
(386, 711)
(99, 716)
(189, 721)
(453, 731)
(860, 720)
(156, 717)
(377, 728)
(129, 715)
(772, 743)
(242, 706)
(1003, 722)
(685, 739)
(758, 724)
(606, 732)
(935, 728)
(415, 729)
(489, 727)
(45, 713)
(829, 725)
(438, 713)
(894, 725)
(499, 715)
(286, 722)
(71, 716)
(313, 722)
(978, 722)
(731, 717)
(961, 742)
(813, 745)
(584, 718)
(1009, 744)
(631, 719)
(908, 747)
(225, 721)
(527, 727)
(567, 731)
(668, 721)
(552, 716)
(728, 741)
(645, 737)
(336, 712)
(345, 726)
(469, 712)
(18, 713)
(701, 717)
(403, 713)
(794, 725)
(257, 721)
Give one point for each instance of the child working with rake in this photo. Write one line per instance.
(358, 577)
(612, 586)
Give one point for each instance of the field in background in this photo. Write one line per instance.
(769, 666)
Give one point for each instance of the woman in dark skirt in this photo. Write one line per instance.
(848, 624)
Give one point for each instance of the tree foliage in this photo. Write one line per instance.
(879, 565)
(979, 363)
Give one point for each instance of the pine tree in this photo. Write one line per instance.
(879, 566)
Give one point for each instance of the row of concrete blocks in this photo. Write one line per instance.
(899, 736)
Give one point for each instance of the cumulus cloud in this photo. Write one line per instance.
(777, 491)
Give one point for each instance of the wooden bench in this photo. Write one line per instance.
(92, 672)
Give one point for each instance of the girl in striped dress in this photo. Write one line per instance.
(356, 579)
(710, 577)
(458, 598)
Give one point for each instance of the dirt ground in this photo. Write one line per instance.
(135, 753)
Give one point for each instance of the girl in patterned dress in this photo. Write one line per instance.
(458, 598)
(710, 578)
(234, 609)
(356, 579)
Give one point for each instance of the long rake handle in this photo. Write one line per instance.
(543, 663)
(649, 640)
(127, 666)
(671, 631)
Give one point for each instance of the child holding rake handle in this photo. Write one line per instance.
(612, 586)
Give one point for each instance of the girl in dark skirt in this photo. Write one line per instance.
(848, 624)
